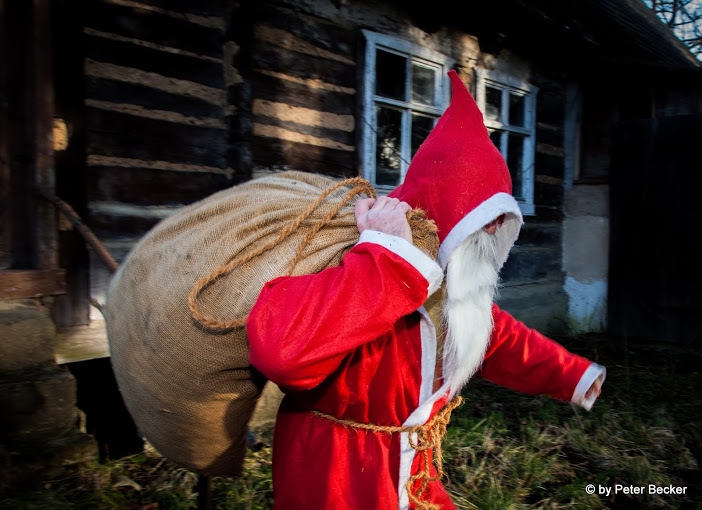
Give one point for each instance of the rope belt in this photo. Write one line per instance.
(429, 437)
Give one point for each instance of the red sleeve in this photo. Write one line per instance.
(522, 359)
(301, 327)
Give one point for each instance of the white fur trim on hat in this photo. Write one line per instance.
(489, 210)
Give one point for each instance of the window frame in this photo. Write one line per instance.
(415, 54)
(510, 84)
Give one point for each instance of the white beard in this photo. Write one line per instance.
(471, 285)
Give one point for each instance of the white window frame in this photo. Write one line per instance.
(511, 84)
(414, 53)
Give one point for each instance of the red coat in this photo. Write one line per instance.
(354, 342)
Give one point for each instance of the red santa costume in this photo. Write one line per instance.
(354, 343)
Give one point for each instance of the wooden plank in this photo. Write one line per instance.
(531, 264)
(273, 153)
(118, 134)
(342, 138)
(112, 226)
(113, 91)
(167, 64)
(5, 245)
(154, 27)
(156, 187)
(18, 98)
(273, 58)
(548, 193)
(548, 164)
(81, 343)
(43, 113)
(69, 96)
(300, 93)
(323, 34)
(22, 284)
(541, 234)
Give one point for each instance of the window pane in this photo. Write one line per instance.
(516, 110)
(423, 84)
(515, 159)
(390, 75)
(493, 103)
(387, 152)
(496, 137)
(421, 126)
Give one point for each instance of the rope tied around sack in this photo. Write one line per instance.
(358, 185)
(429, 437)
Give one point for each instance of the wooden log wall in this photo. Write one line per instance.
(157, 113)
(305, 103)
(184, 99)
(533, 274)
(164, 103)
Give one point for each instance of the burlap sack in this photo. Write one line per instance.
(175, 309)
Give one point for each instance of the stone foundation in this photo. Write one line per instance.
(39, 429)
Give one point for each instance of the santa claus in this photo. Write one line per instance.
(368, 376)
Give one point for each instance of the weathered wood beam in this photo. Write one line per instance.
(43, 105)
(32, 283)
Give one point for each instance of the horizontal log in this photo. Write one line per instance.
(155, 26)
(132, 93)
(155, 187)
(271, 153)
(549, 137)
(548, 164)
(550, 105)
(31, 283)
(548, 193)
(545, 235)
(325, 35)
(531, 264)
(298, 93)
(333, 136)
(117, 134)
(112, 226)
(273, 58)
(172, 65)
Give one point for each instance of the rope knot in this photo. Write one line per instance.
(428, 440)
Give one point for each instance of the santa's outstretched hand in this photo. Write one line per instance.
(386, 215)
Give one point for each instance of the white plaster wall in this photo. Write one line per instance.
(586, 256)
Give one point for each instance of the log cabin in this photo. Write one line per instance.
(128, 110)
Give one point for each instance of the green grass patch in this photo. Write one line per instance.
(502, 451)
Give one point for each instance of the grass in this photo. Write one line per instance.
(503, 450)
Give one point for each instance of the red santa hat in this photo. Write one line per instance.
(460, 178)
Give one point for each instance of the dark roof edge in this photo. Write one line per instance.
(649, 32)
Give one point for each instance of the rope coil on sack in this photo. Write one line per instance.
(429, 437)
(358, 185)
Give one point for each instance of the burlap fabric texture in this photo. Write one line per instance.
(176, 307)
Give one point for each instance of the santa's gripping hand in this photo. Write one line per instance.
(384, 214)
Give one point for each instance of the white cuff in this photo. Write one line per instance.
(420, 260)
(592, 374)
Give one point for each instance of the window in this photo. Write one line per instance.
(509, 109)
(405, 91)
